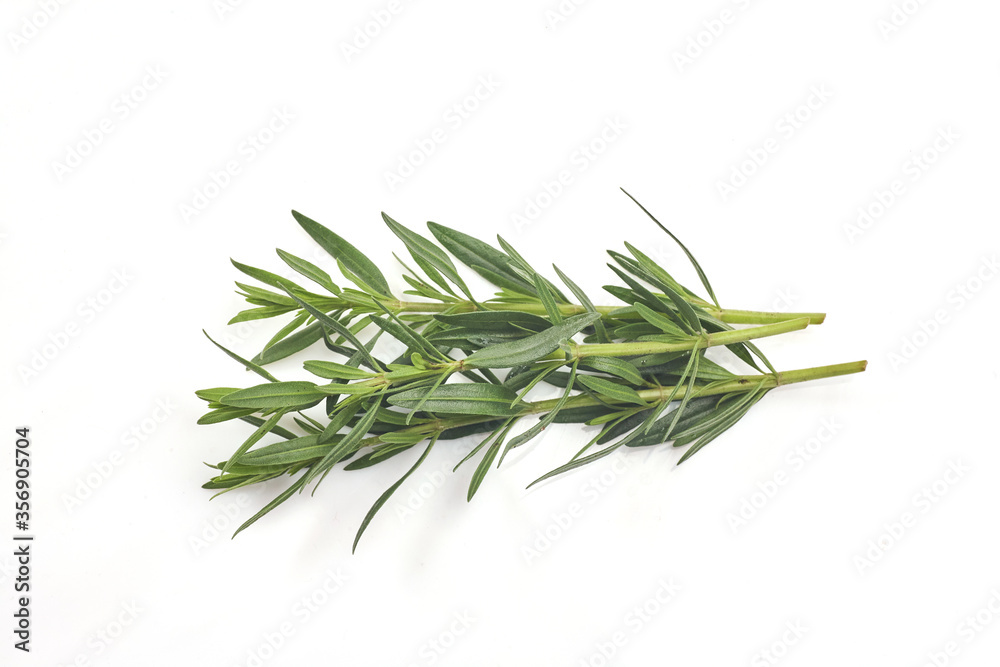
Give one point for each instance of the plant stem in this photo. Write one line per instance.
(740, 383)
(696, 343)
(726, 315)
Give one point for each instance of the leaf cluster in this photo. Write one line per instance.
(637, 372)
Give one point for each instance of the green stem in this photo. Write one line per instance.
(728, 315)
(695, 343)
(739, 384)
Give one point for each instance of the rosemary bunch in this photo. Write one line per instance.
(637, 370)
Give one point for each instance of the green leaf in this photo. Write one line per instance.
(296, 342)
(334, 371)
(260, 313)
(296, 450)
(406, 335)
(255, 436)
(483, 468)
(482, 258)
(721, 428)
(694, 262)
(615, 366)
(580, 415)
(527, 350)
(696, 409)
(658, 274)
(309, 270)
(658, 320)
(466, 398)
(282, 497)
(267, 297)
(544, 422)
(266, 277)
(612, 390)
(220, 415)
(495, 320)
(274, 395)
(578, 462)
(247, 364)
(378, 454)
(602, 334)
(527, 271)
(213, 395)
(277, 430)
(345, 253)
(293, 324)
(346, 445)
(329, 322)
(385, 496)
(548, 301)
(422, 250)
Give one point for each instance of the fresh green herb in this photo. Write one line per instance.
(638, 369)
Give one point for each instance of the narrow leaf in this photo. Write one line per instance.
(309, 270)
(274, 395)
(467, 398)
(612, 390)
(385, 496)
(423, 250)
(478, 256)
(345, 253)
(694, 262)
(527, 350)
(247, 364)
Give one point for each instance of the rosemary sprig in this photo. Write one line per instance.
(621, 367)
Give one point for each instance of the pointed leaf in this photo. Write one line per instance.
(466, 398)
(247, 364)
(611, 390)
(527, 350)
(423, 250)
(480, 257)
(345, 253)
(274, 395)
(309, 270)
(694, 262)
(385, 496)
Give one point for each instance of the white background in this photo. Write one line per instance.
(128, 569)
